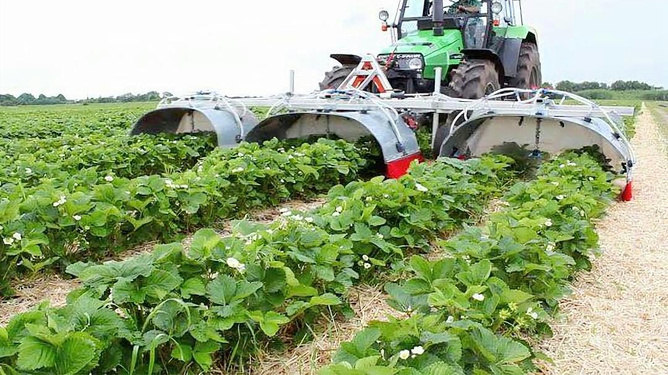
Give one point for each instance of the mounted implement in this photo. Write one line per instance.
(385, 97)
(199, 112)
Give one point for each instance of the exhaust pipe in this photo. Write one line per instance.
(438, 17)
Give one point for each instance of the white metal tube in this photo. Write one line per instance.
(292, 81)
(438, 75)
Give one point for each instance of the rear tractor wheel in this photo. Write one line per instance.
(529, 74)
(472, 79)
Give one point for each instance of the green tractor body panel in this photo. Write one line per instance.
(435, 50)
(516, 32)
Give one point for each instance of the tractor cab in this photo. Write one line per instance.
(458, 38)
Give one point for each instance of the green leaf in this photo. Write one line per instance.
(76, 353)
(7, 349)
(182, 352)
(421, 267)
(35, 354)
(160, 283)
(222, 289)
(376, 221)
(193, 286)
(272, 322)
(245, 289)
(203, 352)
(125, 291)
(204, 241)
(327, 299)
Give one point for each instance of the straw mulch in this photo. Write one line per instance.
(616, 321)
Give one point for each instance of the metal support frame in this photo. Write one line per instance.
(368, 71)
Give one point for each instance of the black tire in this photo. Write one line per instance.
(474, 78)
(529, 74)
(335, 77)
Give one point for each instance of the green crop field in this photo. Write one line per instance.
(76, 189)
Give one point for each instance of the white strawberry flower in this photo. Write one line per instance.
(478, 297)
(532, 314)
(367, 265)
(562, 166)
(548, 223)
(550, 247)
(450, 319)
(76, 217)
(417, 350)
(234, 263)
(108, 178)
(339, 209)
(237, 170)
(379, 236)
(369, 199)
(28, 170)
(8, 241)
(335, 214)
(591, 178)
(404, 354)
(421, 188)
(365, 257)
(386, 195)
(560, 197)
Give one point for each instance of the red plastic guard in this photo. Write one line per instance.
(398, 168)
(627, 194)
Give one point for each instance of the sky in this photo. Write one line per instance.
(106, 48)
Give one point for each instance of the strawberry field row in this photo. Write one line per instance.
(62, 221)
(74, 159)
(179, 309)
(469, 311)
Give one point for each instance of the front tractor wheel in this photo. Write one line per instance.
(474, 79)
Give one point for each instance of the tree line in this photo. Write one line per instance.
(29, 99)
(615, 86)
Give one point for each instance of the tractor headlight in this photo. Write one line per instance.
(415, 63)
(384, 15)
(497, 8)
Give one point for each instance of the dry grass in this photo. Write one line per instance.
(368, 303)
(616, 321)
(33, 290)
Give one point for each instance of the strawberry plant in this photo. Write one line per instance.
(221, 298)
(69, 220)
(468, 311)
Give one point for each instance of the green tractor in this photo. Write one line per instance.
(481, 47)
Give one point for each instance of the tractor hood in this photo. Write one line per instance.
(436, 50)
(424, 42)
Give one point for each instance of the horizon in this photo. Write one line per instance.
(82, 55)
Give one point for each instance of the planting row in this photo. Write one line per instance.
(468, 311)
(180, 309)
(28, 162)
(40, 122)
(70, 220)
